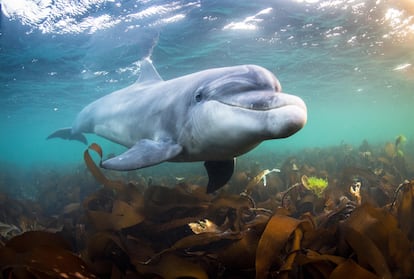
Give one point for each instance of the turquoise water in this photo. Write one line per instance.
(351, 62)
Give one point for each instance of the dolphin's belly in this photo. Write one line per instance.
(213, 152)
(116, 133)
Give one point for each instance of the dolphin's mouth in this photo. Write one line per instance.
(262, 100)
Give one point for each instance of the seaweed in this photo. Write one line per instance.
(38, 254)
(264, 224)
(315, 184)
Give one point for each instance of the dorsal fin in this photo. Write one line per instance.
(148, 72)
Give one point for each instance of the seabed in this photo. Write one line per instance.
(319, 213)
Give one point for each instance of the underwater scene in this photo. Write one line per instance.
(142, 183)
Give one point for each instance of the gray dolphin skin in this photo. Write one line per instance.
(214, 116)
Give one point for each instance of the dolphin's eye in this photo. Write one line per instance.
(198, 97)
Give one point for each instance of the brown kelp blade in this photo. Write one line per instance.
(274, 238)
(40, 254)
(96, 172)
(405, 208)
(348, 267)
(376, 238)
(368, 253)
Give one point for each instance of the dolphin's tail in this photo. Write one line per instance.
(66, 133)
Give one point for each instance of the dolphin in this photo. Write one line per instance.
(213, 116)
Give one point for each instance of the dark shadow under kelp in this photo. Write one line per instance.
(325, 213)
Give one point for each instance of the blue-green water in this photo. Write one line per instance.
(351, 61)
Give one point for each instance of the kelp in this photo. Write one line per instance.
(361, 224)
(96, 172)
(403, 204)
(344, 269)
(274, 238)
(41, 255)
(375, 236)
(259, 177)
(171, 266)
(114, 211)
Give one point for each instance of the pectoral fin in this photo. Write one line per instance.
(219, 173)
(144, 153)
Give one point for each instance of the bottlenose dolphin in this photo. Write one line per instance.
(214, 116)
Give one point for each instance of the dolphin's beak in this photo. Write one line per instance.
(284, 114)
(262, 100)
(289, 115)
